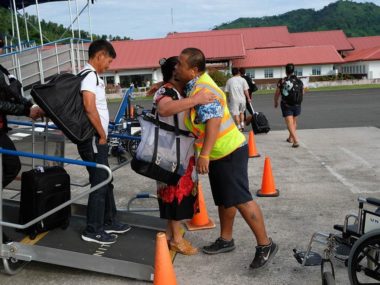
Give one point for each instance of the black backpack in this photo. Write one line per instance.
(62, 101)
(10, 87)
(292, 90)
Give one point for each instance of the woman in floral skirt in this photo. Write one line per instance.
(177, 202)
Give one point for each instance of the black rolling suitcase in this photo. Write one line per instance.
(259, 122)
(43, 189)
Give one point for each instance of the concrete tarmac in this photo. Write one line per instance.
(319, 184)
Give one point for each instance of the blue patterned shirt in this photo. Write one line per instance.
(204, 112)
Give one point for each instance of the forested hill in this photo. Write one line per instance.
(51, 31)
(355, 19)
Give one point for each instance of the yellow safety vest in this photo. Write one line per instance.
(229, 137)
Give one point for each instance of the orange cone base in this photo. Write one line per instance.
(191, 227)
(259, 193)
(256, 155)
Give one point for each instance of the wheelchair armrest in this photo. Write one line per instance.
(373, 201)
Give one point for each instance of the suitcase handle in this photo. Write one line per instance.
(56, 209)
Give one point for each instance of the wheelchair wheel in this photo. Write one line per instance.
(133, 144)
(364, 259)
(328, 279)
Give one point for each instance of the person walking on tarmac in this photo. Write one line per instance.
(237, 89)
(101, 209)
(291, 90)
(222, 153)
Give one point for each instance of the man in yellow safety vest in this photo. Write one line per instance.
(222, 153)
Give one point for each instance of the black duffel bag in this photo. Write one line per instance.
(62, 102)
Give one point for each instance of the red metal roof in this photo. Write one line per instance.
(361, 43)
(260, 37)
(337, 38)
(297, 55)
(137, 54)
(364, 55)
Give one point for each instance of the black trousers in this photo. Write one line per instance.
(101, 207)
(11, 164)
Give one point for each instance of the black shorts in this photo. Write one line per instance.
(229, 179)
(290, 110)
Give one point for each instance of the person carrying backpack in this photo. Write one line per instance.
(291, 90)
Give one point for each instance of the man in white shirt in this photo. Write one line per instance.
(101, 209)
(237, 89)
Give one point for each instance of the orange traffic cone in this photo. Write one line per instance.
(252, 151)
(163, 267)
(131, 112)
(200, 221)
(268, 188)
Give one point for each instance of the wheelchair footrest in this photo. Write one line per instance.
(313, 258)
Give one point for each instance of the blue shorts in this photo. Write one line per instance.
(289, 110)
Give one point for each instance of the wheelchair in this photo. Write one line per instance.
(356, 244)
(125, 130)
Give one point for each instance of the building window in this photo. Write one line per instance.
(268, 73)
(363, 68)
(251, 74)
(316, 70)
(298, 72)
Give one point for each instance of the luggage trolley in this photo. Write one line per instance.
(131, 256)
(357, 245)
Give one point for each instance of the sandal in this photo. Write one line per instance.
(289, 140)
(184, 247)
(296, 144)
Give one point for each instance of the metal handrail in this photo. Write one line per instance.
(56, 209)
(54, 127)
(47, 44)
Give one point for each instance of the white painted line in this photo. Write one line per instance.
(339, 177)
(343, 180)
(356, 157)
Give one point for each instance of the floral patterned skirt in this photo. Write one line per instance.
(179, 202)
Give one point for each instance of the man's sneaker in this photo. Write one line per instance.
(264, 254)
(117, 228)
(219, 246)
(101, 238)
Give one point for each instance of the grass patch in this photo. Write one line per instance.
(271, 91)
(328, 88)
(139, 99)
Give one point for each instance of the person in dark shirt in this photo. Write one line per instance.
(251, 88)
(290, 111)
(12, 103)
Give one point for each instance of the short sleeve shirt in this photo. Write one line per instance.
(166, 91)
(236, 86)
(89, 83)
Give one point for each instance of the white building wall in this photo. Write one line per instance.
(373, 69)
(279, 72)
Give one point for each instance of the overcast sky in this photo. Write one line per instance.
(141, 19)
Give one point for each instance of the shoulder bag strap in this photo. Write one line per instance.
(177, 138)
(85, 72)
